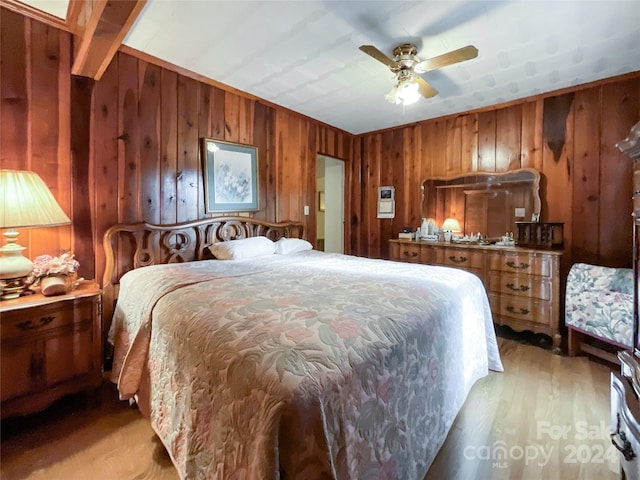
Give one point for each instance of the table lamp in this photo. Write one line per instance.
(449, 227)
(25, 202)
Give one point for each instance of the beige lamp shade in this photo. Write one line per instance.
(451, 225)
(26, 201)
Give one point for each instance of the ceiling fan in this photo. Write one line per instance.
(407, 67)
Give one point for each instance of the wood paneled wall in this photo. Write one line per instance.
(126, 149)
(570, 138)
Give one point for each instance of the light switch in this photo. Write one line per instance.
(519, 212)
(306, 209)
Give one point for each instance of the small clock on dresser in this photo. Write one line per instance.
(50, 347)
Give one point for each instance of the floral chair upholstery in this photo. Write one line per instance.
(599, 304)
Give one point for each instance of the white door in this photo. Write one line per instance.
(330, 185)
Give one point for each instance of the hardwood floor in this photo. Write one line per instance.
(546, 416)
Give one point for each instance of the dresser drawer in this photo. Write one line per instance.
(521, 285)
(625, 425)
(17, 323)
(521, 308)
(407, 253)
(529, 264)
(460, 257)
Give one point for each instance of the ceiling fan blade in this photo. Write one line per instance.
(378, 55)
(426, 90)
(455, 56)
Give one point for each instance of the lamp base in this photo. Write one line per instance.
(14, 267)
(13, 288)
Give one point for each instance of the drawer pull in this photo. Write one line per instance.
(625, 449)
(522, 266)
(523, 311)
(29, 325)
(410, 254)
(522, 288)
(455, 259)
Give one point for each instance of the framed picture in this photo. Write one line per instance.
(230, 176)
(321, 201)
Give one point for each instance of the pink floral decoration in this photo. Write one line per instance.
(47, 265)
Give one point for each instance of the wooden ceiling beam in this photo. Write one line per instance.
(101, 25)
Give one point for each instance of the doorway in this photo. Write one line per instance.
(330, 214)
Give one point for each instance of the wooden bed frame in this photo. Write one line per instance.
(130, 246)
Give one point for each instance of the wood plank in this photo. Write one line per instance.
(556, 154)
(263, 133)
(65, 194)
(149, 130)
(204, 127)
(13, 91)
(585, 177)
(169, 148)
(469, 143)
(43, 118)
(129, 141)
(487, 141)
(104, 162)
(531, 146)
(508, 138)
(81, 91)
(411, 185)
(453, 151)
(621, 110)
(188, 168)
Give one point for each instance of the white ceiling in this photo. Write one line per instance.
(303, 55)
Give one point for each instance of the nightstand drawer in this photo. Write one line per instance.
(18, 323)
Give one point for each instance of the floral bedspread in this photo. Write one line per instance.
(302, 366)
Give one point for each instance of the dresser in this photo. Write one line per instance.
(625, 386)
(50, 347)
(523, 285)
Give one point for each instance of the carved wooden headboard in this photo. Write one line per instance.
(129, 246)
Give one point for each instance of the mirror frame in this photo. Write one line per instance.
(478, 182)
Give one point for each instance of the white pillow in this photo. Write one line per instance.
(285, 246)
(243, 248)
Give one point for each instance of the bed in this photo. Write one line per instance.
(299, 364)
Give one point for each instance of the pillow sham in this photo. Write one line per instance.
(284, 246)
(242, 248)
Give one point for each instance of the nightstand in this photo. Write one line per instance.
(50, 347)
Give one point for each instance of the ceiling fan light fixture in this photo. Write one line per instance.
(392, 96)
(408, 92)
(405, 92)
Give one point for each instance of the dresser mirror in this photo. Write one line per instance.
(489, 203)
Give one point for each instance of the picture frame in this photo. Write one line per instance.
(230, 176)
(321, 205)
